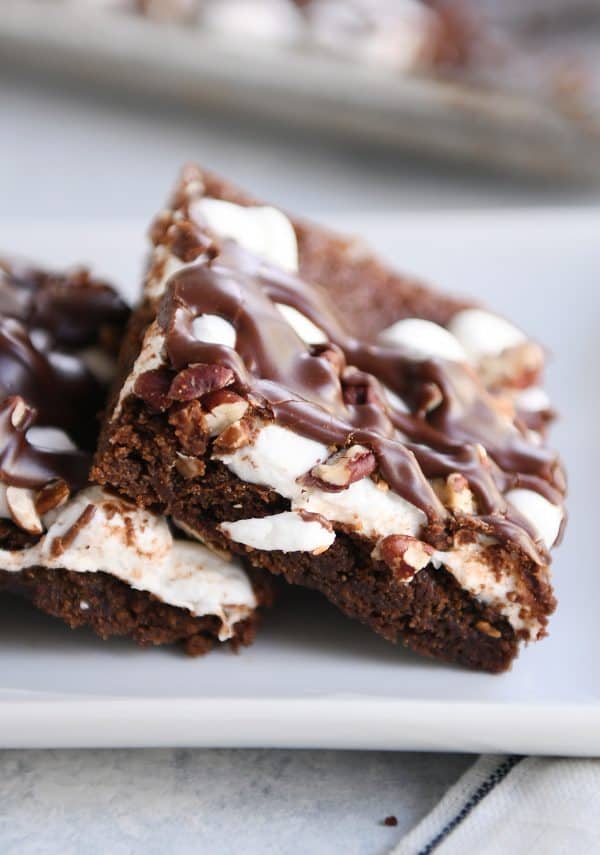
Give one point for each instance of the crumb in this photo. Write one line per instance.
(390, 820)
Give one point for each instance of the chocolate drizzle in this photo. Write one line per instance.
(336, 393)
(45, 321)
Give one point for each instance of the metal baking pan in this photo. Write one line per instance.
(432, 117)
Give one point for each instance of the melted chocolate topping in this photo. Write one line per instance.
(336, 393)
(45, 319)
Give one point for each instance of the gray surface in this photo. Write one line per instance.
(74, 154)
(217, 801)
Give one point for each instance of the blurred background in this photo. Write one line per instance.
(320, 105)
(325, 107)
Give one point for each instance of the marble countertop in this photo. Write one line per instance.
(67, 153)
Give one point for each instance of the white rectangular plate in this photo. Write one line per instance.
(313, 678)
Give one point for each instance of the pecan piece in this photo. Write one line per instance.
(404, 555)
(459, 497)
(51, 496)
(63, 541)
(235, 436)
(21, 506)
(199, 379)
(21, 414)
(187, 421)
(223, 408)
(344, 468)
(189, 467)
(153, 388)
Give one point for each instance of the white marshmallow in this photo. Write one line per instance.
(482, 333)
(178, 572)
(287, 532)
(532, 400)
(214, 329)
(278, 457)
(304, 328)
(150, 357)
(51, 438)
(545, 517)
(371, 511)
(263, 231)
(275, 459)
(486, 583)
(423, 339)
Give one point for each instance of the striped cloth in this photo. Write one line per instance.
(517, 805)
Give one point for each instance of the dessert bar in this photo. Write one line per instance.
(77, 551)
(285, 396)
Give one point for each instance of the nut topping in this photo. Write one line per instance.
(22, 510)
(199, 379)
(517, 367)
(20, 415)
(404, 555)
(153, 388)
(458, 496)
(235, 436)
(189, 467)
(344, 468)
(51, 496)
(223, 409)
(188, 423)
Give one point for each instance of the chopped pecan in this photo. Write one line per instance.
(159, 227)
(199, 379)
(61, 543)
(187, 421)
(223, 408)
(518, 366)
(189, 467)
(21, 506)
(404, 555)
(488, 629)
(21, 414)
(235, 436)
(51, 496)
(344, 468)
(187, 241)
(459, 497)
(153, 388)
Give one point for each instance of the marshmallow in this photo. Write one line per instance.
(545, 517)
(213, 329)
(263, 231)
(287, 532)
(482, 333)
(423, 339)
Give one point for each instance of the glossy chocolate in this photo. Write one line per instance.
(335, 394)
(45, 322)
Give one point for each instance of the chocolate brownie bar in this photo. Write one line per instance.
(77, 551)
(286, 396)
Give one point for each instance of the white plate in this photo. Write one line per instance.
(314, 678)
(300, 88)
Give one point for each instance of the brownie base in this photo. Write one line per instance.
(116, 609)
(137, 454)
(431, 614)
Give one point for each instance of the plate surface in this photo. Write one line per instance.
(313, 678)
